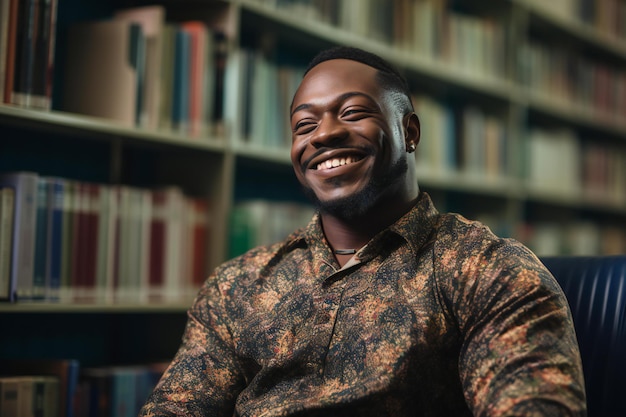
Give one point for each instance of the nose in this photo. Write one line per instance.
(329, 131)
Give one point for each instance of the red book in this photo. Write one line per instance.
(77, 254)
(156, 271)
(11, 50)
(200, 227)
(199, 34)
(90, 235)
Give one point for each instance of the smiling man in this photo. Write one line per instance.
(381, 306)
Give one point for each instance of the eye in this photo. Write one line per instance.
(304, 126)
(354, 113)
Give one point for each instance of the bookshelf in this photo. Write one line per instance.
(512, 93)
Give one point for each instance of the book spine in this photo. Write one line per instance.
(43, 56)
(23, 242)
(4, 35)
(55, 237)
(41, 240)
(137, 44)
(11, 44)
(7, 204)
(180, 95)
(28, 15)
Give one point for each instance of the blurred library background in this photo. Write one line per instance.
(144, 142)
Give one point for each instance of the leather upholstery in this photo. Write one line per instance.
(596, 291)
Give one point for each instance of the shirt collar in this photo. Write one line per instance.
(414, 227)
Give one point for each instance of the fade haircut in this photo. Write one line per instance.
(388, 76)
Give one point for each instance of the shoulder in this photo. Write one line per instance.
(459, 243)
(470, 258)
(243, 271)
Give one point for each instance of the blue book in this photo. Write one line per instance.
(41, 240)
(123, 392)
(180, 95)
(71, 386)
(56, 189)
(137, 58)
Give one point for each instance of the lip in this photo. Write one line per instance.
(357, 155)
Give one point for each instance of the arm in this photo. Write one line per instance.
(520, 355)
(203, 378)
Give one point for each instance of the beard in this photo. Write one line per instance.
(357, 205)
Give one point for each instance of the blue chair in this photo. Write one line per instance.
(596, 290)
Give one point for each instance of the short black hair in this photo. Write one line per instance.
(388, 76)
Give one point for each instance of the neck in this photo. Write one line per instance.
(347, 234)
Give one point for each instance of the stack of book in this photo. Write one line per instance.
(553, 74)
(61, 388)
(431, 28)
(268, 88)
(27, 49)
(76, 241)
(140, 70)
(573, 237)
(464, 140)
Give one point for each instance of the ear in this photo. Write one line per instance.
(412, 131)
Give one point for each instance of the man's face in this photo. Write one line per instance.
(348, 147)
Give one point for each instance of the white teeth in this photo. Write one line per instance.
(336, 162)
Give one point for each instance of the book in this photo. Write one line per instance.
(165, 279)
(32, 84)
(64, 371)
(180, 92)
(41, 240)
(67, 238)
(220, 59)
(107, 241)
(4, 36)
(166, 86)
(54, 248)
(199, 226)
(152, 21)
(7, 201)
(200, 75)
(11, 45)
(28, 14)
(103, 70)
(34, 395)
(84, 280)
(118, 391)
(23, 241)
(133, 244)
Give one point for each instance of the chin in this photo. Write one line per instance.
(358, 204)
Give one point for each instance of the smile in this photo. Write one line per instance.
(337, 162)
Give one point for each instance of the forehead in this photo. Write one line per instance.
(335, 77)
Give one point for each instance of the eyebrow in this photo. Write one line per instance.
(340, 99)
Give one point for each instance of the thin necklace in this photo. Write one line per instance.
(344, 251)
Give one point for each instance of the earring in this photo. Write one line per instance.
(410, 147)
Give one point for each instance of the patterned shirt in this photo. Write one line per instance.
(436, 316)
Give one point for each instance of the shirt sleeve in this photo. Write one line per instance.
(203, 379)
(519, 355)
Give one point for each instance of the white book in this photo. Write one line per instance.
(23, 242)
(152, 21)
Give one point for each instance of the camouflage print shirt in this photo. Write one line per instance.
(436, 316)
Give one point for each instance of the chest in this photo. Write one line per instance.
(373, 319)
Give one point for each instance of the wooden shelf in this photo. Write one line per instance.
(86, 126)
